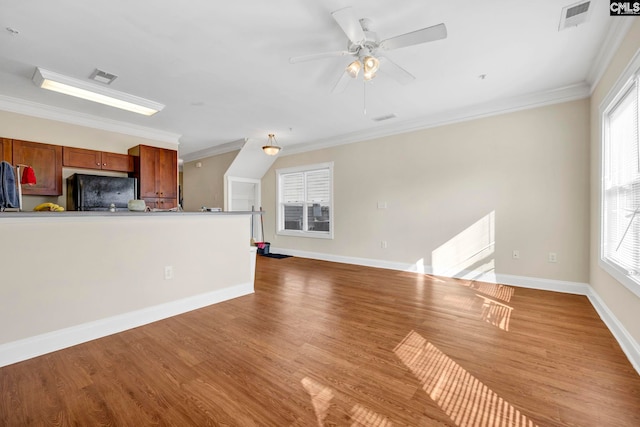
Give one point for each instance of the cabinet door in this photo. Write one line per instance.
(81, 158)
(164, 203)
(6, 150)
(117, 162)
(147, 172)
(157, 172)
(46, 161)
(167, 174)
(151, 203)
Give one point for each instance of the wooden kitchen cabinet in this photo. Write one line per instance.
(92, 159)
(46, 161)
(6, 154)
(157, 172)
(161, 203)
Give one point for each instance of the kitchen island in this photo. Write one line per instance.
(70, 277)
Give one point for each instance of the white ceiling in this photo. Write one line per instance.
(222, 68)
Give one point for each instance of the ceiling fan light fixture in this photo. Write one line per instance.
(354, 68)
(371, 65)
(271, 149)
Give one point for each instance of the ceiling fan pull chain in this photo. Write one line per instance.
(364, 97)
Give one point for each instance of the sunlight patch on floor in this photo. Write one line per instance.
(364, 417)
(465, 400)
(502, 292)
(495, 313)
(321, 397)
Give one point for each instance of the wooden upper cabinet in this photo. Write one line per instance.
(46, 161)
(167, 178)
(157, 173)
(117, 162)
(81, 158)
(6, 150)
(92, 159)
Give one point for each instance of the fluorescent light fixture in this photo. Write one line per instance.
(69, 86)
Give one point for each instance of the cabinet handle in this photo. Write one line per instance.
(104, 164)
(97, 164)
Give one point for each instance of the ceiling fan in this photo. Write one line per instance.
(368, 51)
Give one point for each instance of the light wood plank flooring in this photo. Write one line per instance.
(327, 344)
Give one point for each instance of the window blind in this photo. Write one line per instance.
(621, 189)
(305, 207)
(318, 186)
(292, 188)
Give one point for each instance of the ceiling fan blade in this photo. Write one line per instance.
(314, 56)
(429, 34)
(347, 20)
(342, 83)
(392, 69)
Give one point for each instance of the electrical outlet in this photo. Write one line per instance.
(383, 244)
(553, 257)
(516, 254)
(168, 272)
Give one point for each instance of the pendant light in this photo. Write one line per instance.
(271, 149)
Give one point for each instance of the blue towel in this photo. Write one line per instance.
(8, 191)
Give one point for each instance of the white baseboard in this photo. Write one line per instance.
(507, 279)
(38, 345)
(629, 346)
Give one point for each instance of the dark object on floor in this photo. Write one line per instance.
(263, 247)
(277, 256)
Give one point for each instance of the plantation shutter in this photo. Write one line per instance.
(305, 207)
(318, 186)
(293, 188)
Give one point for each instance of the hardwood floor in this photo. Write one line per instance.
(326, 344)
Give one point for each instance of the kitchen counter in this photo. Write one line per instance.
(70, 277)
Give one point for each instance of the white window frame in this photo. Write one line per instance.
(280, 230)
(629, 78)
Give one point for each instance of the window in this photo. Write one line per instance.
(305, 201)
(620, 221)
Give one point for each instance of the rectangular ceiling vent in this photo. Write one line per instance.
(103, 77)
(575, 15)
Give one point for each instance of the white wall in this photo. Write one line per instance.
(462, 197)
(204, 185)
(64, 271)
(624, 305)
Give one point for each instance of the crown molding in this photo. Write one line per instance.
(609, 47)
(504, 106)
(215, 150)
(28, 108)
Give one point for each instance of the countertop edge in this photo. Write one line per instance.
(93, 214)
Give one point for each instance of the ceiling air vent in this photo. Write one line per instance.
(574, 15)
(103, 77)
